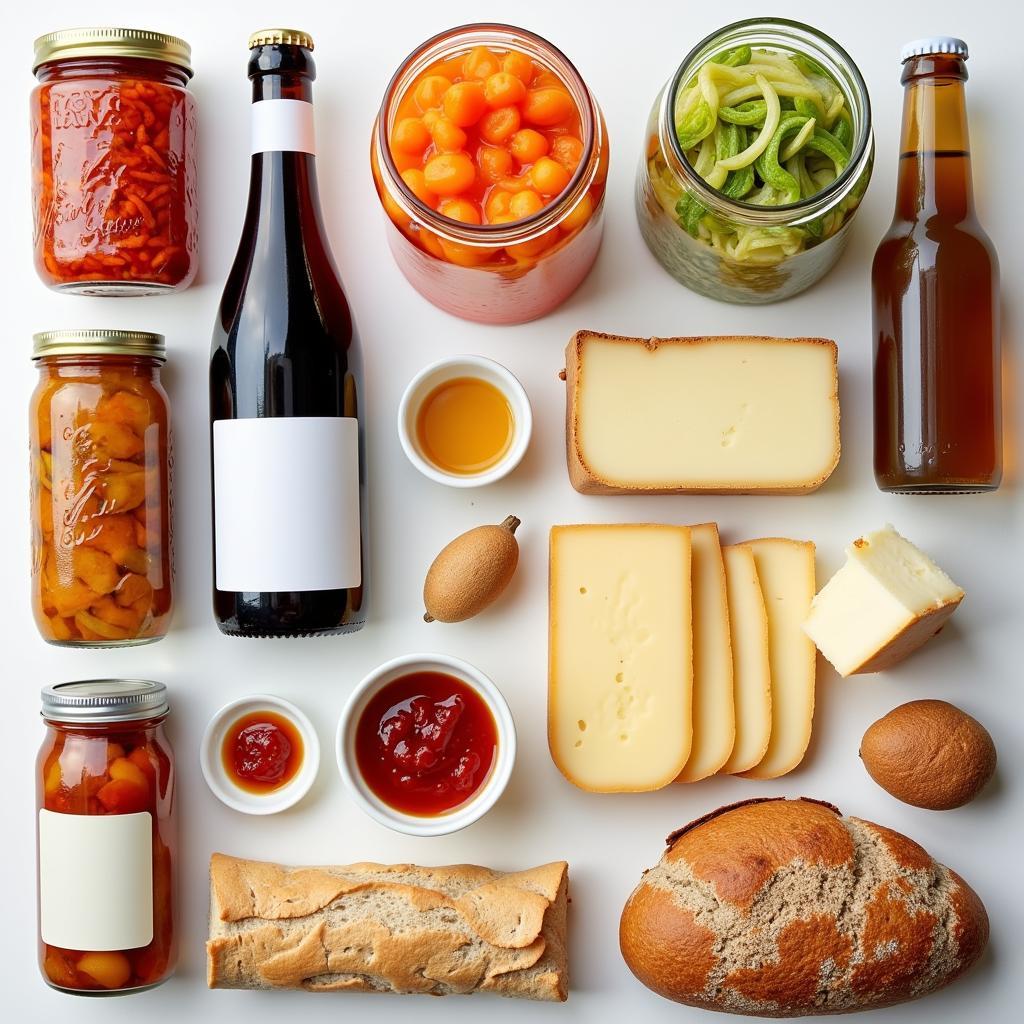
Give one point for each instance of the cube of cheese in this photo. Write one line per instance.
(785, 569)
(714, 719)
(752, 678)
(885, 602)
(700, 415)
(620, 666)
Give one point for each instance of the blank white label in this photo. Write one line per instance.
(286, 503)
(283, 126)
(96, 880)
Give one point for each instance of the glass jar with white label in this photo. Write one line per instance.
(106, 837)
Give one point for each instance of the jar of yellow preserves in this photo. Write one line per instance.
(101, 489)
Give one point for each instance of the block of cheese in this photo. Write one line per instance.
(714, 721)
(885, 602)
(785, 569)
(700, 415)
(752, 679)
(620, 666)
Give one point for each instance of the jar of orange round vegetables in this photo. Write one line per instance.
(106, 842)
(114, 162)
(99, 434)
(490, 155)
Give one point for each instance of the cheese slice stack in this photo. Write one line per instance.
(673, 658)
(885, 602)
(620, 664)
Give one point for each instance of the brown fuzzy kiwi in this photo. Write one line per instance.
(471, 572)
(929, 753)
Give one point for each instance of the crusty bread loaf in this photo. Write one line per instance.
(783, 908)
(379, 928)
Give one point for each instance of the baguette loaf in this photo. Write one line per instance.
(379, 928)
(783, 908)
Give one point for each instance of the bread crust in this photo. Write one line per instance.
(784, 908)
(388, 928)
(585, 480)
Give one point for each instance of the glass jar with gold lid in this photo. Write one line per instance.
(114, 162)
(99, 430)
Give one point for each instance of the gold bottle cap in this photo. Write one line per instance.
(112, 42)
(92, 342)
(281, 37)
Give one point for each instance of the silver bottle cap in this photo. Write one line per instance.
(934, 44)
(104, 700)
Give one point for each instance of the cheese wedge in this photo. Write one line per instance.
(885, 602)
(700, 415)
(786, 571)
(620, 664)
(752, 679)
(714, 720)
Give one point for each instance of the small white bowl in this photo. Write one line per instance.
(220, 782)
(465, 366)
(481, 801)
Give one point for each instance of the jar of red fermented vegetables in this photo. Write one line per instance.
(114, 162)
(106, 837)
(490, 156)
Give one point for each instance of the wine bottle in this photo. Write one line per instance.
(286, 386)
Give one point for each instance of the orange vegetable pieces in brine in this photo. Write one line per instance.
(101, 555)
(114, 183)
(488, 137)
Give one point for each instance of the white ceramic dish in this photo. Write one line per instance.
(484, 798)
(465, 366)
(221, 784)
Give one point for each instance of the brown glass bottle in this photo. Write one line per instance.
(935, 283)
(286, 386)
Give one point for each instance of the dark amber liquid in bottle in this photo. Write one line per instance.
(935, 284)
(285, 345)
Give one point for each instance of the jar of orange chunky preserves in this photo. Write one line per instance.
(114, 162)
(99, 432)
(490, 155)
(106, 841)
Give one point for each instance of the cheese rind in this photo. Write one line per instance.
(883, 604)
(700, 415)
(714, 720)
(748, 630)
(785, 569)
(620, 665)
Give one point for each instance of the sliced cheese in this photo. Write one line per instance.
(885, 602)
(716, 414)
(786, 571)
(752, 679)
(714, 721)
(620, 666)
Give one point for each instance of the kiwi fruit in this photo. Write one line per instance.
(471, 572)
(929, 753)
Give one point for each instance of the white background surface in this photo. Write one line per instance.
(625, 52)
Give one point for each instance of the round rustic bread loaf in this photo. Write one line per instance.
(930, 754)
(783, 908)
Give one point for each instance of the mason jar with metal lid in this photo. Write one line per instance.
(106, 846)
(99, 430)
(114, 162)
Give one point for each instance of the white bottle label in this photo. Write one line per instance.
(283, 126)
(96, 880)
(286, 503)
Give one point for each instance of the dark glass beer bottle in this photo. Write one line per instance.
(935, 284)
(286, 386)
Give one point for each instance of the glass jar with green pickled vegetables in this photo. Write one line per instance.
(758, 154)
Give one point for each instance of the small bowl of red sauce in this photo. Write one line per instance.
(260, 754)
(426, 744)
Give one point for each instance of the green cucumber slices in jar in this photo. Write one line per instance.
(764, 128)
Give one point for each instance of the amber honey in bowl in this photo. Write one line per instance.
(465, 426)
